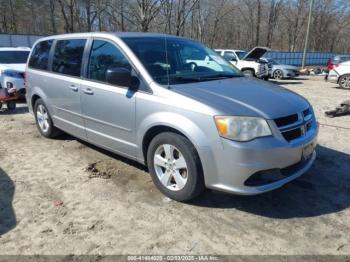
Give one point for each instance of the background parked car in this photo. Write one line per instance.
(249, 63)
(12, 67)
(280, 71)
(340, 74)
(333, 62)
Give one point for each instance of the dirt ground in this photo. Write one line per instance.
(64, 196)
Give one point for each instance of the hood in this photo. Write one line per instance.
(18, 67)
(256, 53)
(243, 96)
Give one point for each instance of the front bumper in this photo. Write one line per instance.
(292, 74)
(233, 166)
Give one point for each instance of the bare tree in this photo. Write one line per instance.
(239, 24)
(52, 16)
(146, 11)
(68, 8)
(274, 12)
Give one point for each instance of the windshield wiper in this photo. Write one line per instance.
(203, 78)
(219, 76)
(186, 78)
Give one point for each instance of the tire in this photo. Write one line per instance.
(344, 81)
(248, 73)
(0, 105)
(180, 184)
(44, 121)
(266, 78)
(278, 74)
(11, 105)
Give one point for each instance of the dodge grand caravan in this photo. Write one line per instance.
(194, 126)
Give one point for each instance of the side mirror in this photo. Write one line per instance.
(119, 76)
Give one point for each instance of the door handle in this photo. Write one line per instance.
(73, 88)
(88, 91)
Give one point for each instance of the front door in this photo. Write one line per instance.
(108, 111)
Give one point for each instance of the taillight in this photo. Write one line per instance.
(331, 66)
(334, 66)
(25, 79)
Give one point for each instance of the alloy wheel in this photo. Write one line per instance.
(171, 167)
(278, 74)
(43, 118)
(345, 82)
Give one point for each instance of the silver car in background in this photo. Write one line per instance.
(280, 71)
(195, 127)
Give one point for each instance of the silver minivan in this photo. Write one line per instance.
(196, 125)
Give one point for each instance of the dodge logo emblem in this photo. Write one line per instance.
(303, 130)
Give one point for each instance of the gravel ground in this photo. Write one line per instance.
(64, 197)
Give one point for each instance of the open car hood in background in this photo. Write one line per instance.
(256, 53)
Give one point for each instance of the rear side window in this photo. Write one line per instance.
(13, 57)
(104, 56)
(68, 56)
(40, 55)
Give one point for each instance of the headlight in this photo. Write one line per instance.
(12, 73)
(241, 128)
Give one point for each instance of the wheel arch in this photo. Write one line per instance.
(34, 98)
(250, 69)
(168, 122)
(340, 76)
(152, 133)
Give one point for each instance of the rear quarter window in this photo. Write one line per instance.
(68, 56)
(40, 55)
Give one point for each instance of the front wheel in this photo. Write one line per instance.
(175, 167)
(344, 81)
(278, 74)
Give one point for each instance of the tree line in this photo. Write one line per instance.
(239, 24)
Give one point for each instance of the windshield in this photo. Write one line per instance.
(273, 62)
(13, 57)
(241, 54)
(179, 61)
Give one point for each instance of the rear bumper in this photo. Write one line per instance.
(333, 79)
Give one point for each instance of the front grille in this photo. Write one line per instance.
(292, 134)
(287, 120)
(295, 126)
(262, 69)
(266, 177)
